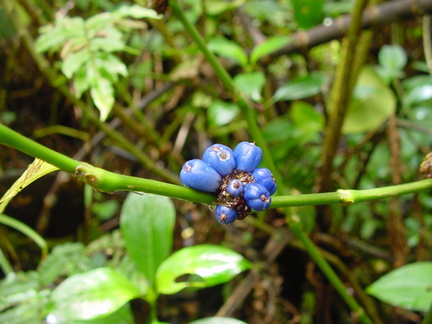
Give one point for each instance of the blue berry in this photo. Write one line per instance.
(235, 188)
(225, 215)
(220, 158)
(247, 156)
(257, 196)
(200, 176)
(265, 177)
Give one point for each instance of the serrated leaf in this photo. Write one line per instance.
(102, 93)
(251, 83)
(372, 103)
(228, 49)
(35, 170)
(209, 265)
(221, 113)
(74, 61)
(81, 82)
(90, 295)
(300, 88)
(408, 287)
(271, 45)
(147, 223)
(53, 37)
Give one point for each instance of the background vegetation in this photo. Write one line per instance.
(338, 94)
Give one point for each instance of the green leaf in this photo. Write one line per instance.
(392, 57)
(147, 223)
(122, 316)
(228, 49)
(209, 265)
(301, 88)
(408, 287)
(372, 103)
(65, 29)
(90, 295)
(271, 45)
(34, 171)
(218, 320)
(135, 11)
(221, 113)
(64, 260)
(251, 83)
(308, 13)
(307, 119)
(216, 7)
(102, 93)
(75, 61)
(418, 95)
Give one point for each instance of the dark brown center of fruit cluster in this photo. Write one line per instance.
(238, 203)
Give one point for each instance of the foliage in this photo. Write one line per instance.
(139, 93)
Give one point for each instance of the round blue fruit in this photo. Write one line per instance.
(235, 188)
(264, 177)
(225, 215)
(198, 175)
(257, 196)
(247, 156)
(220, 158)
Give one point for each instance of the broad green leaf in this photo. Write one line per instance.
(208, 265)
(251, 83)
(221, 113)
(278, 129)
(218, 320)
(228, 49)
(307, 13)
(305, 117)
(90, 295)
(372, 103)
(35, 170)
(408, 287)
(300, 88)
(122, 316)
(271, 45)
(147, 223)
(75, 61)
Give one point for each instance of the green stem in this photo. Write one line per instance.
(4, 264)
(110, 182)
(26, 230)
(351, 196)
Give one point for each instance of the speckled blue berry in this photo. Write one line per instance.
(198, 175)
(225, 215)
(220, 158)
(264, 177)
(235, 188)
(247, 156)
(257, 196)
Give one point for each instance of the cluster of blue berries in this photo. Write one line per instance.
(234, 175)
